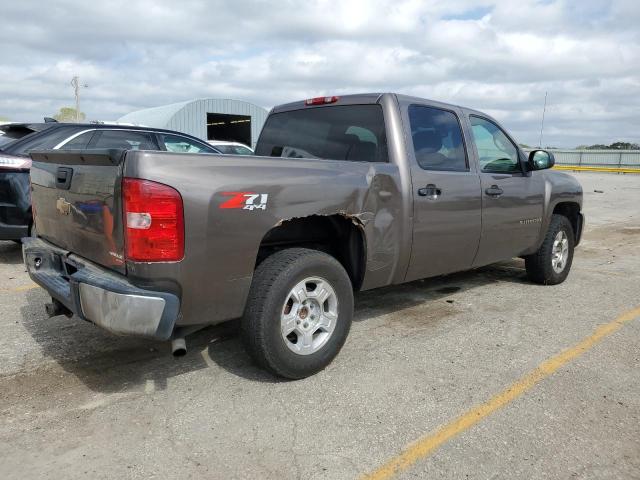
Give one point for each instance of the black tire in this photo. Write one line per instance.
(272, 282)
(539, 265)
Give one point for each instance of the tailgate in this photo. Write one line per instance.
(77, 203)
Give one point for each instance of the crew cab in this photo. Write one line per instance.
(20, 139)
(344, 194)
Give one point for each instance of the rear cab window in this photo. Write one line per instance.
(341, 132)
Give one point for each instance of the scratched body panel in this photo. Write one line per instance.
(222, 243)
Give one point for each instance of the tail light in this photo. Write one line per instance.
(154, 221)
(15, 163)
(321, 100)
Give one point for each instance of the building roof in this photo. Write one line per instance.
(156, 116)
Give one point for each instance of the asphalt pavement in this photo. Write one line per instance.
(476, 375)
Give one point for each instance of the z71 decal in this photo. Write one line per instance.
(245, 200)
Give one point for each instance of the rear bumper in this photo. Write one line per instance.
(98, 295)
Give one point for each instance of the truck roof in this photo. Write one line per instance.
(368, 98)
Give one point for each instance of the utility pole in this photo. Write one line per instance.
(544, 109)
(75, 83)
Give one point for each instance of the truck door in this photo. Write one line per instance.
(512, 200)
(446, 194)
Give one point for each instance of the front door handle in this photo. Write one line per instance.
(430, 191)
(494, 191)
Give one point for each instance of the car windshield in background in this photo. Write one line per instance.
(180, 144)
(233, 149)
(348, 132)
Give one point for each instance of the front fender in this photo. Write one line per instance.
(559, 188)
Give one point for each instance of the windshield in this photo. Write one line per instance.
(180, 144)
(233, 149)
(349, 132)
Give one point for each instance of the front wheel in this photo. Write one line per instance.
(298, 313)
(550, 265)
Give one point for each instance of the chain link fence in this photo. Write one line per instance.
(598, 158)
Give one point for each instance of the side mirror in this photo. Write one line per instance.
(541, 160)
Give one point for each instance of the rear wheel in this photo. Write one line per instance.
(298, 313)
(550, 265)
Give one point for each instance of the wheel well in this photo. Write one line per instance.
(571, 210)
(336, 235)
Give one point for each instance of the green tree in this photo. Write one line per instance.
(623, 146)
(68, 114)
(613, 146)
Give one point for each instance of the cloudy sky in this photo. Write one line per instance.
(496, 56)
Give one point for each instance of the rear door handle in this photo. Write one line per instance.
(494, 191)
(430, 191)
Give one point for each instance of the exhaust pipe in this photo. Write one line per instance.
(179, 347)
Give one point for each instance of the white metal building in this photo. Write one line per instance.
(206, 118)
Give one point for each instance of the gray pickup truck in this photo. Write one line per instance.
(344, 194)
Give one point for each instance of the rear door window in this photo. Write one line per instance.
(348, 132)
(126, 139)
(437, 139)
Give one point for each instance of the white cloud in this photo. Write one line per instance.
(498, 56)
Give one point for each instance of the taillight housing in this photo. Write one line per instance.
(14, 163)
(153, 217)
(321, 100)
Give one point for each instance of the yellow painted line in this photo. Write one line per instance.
(597, 169)
(23, 288)
(424, 446)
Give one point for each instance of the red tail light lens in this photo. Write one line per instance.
(154, 221)
(321, 100)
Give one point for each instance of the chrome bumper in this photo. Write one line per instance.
(98, 295)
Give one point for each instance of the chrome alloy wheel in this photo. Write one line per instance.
(560, 252)
(309, 315)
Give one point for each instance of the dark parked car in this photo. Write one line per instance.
(18, 140)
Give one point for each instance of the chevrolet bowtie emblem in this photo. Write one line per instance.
(63, 206)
